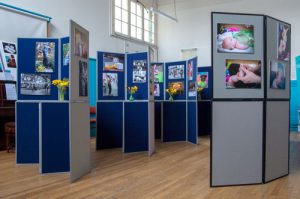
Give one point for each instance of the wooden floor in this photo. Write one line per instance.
(177, 170)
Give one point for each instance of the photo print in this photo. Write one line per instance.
(139, 71)
(44, 57)
(243, 74)
(110, 84)
(9, 48)
(158, 70)
(277, 75)
(9, 61)
(35, 84)
(113, 62)
(176, 72)
(179, 86)
(83, 79)
(235, 38)
(156, 90)
(192, 89)
(190, 70)
(66, 54)
(202, 79)
(81, 44)
(284, 41)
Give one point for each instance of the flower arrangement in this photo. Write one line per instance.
(175, 88)
(132, 90)
(199, 90)
(62, 87)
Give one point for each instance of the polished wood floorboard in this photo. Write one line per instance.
(177, 170)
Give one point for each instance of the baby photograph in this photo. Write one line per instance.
(202, 79)
(243, 74)
(277, 75)
(235, 38)
(283, 50)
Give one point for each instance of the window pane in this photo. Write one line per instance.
(125, 28)
(139, 10)
(133, 31)
(117, 26)
(139, 22)
(146, 36)
(146, 14)
(118, 13)
(125, 4)
(118, 3)
(125, 16)
(152, 37)
(133, 7)
(152, 27)
(139, 33)
(152, 17)
(133, 19)
(146, 25)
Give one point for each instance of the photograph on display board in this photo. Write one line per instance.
(243, 74)
(190, 70)
(277, 75)
(66, 54)
(156, 90)
(44, 57)
(235, 38)
(202, 79)
(81, 44)
(179, 86)
(158, 70)
(83, 78)
(9, 61)
(35, 84)
(176, 72)
(113, 62)
(192, 89)
(284, 41)
(110, 84)
(139, 71)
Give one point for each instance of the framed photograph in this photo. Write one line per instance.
(243, 74)
(156, 90)
(202, 79)
(179, 86)
(284, 40)
(83, 78)
(235, 38)
(277, 75)
(81, 44)
(176, 72)
(66, 54)
(192, 89)
(44, 57)
(158, 70)
(113, 62)
(9, 48)
(190, 70)
(110, 84)
(35, 84)
(139, 71)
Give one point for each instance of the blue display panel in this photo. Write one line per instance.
(65, 61)
(192, 122)
(176, 73)
(174, 121)
(27, 136)
(55, 138)
(205, 81)
(109, 125)
(27, 60)
(136, 127)
(192, 77)
(136, 74)
(110, 68)
(159, 79)
(158, 123)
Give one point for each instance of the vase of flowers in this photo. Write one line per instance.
(171, 91)
(132, 90)
(62, 87)
(199, 92)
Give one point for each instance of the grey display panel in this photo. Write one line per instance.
(219, 58)
(272, 56)
(237, 143)
(277, 140)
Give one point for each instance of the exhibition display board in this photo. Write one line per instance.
(251, 72)
(124, 122)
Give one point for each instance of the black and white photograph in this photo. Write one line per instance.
(35, 84)
(9, 48)
(176, 72)
(83, 79)
(139, 71)
(110, 84)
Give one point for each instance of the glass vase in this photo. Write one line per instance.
(171, 98)
(61, 94)
(131, 98)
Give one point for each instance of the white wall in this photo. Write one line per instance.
(194, 27)
(94, 15)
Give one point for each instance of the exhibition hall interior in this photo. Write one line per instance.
(150, 99)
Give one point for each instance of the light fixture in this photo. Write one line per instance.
(160, 13)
